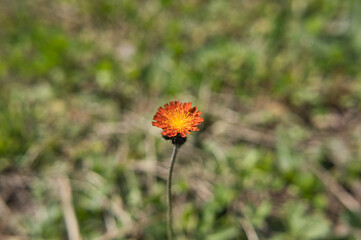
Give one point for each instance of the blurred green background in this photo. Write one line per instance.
(278, 84)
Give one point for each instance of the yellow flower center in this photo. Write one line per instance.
(178, 119)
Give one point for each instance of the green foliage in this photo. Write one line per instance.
(277, 84)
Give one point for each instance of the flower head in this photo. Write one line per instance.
(177, 118)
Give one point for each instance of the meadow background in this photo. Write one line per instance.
(278, 82)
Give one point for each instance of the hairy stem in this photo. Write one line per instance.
(169, 192)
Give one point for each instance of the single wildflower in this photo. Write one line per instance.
(177, 120)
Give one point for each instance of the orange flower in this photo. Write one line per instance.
(177, 118)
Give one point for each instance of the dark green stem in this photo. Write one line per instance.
(169, 192)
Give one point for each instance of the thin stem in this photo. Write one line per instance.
(169, 192)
